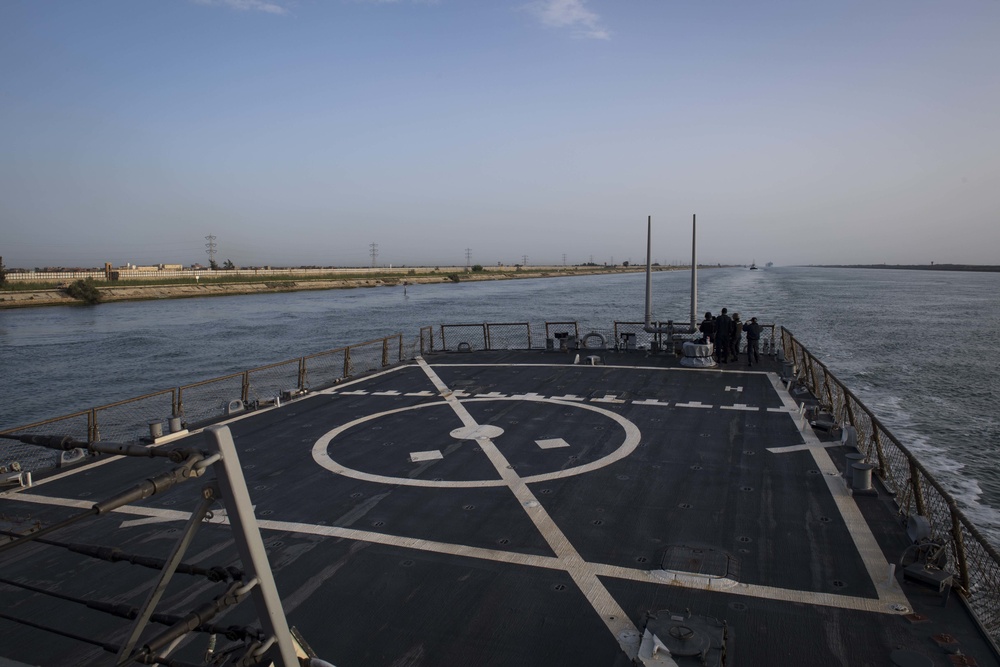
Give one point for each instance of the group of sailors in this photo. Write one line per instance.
(725, 332)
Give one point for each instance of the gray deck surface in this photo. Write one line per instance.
(594, 497)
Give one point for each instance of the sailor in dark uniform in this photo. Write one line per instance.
(723, 324)
(753, 338)
(707, 328)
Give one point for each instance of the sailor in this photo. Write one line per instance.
(735, 334)
(723, 327)
(753, 339)
(707, 328)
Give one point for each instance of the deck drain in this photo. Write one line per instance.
(260, 487)
(622, 477)
(743, 551)
(812, 472)
(169, 502)
(468, 507)
(378, 523)
(641, 559)
(738, 606)
(250, 449)
(267, 512)
(503, 540)
(598, 522)
(745, 539)
(406, 563)
(249, 466)
(685, 506)
(545, 492)
(749, 452)
(573, 457)
(837, 583)
(276, 545)
(695, 467)
(825, 519)
(357, 495)
(746, 488)
(559, 587)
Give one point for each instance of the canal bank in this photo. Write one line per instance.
(58, 297)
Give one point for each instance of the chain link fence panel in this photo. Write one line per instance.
(208, 400)
(130, 420)
(267, 384)
(456, 336)
(512, 336)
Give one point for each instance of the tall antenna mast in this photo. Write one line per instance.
(670, 328)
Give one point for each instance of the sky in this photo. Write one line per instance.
(301, 132)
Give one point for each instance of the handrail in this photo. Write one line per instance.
(130, 419)
(916, 491)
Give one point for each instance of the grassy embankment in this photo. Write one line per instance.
(15, 294)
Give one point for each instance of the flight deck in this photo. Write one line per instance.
(517, 508)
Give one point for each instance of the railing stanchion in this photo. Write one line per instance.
(959, 543)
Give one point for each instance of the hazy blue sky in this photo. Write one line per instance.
(301, 131)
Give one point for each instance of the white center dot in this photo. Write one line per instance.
(476, 432)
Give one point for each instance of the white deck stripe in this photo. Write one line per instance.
(661, 577)
(614, 617)
(864, 541)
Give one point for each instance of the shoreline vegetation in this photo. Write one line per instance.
(61, 293)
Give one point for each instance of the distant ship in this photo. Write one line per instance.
(753, 265)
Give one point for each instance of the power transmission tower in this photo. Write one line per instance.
(210, 249)
(374, 252)
(468, 256)
(524, 260)
(564, 259)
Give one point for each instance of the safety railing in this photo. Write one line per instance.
(464, 336)
(975, 561)
(508, 336)
(427, 340)
(203, 402)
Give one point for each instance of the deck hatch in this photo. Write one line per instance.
(695, 560)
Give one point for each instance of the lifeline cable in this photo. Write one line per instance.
(115, 555)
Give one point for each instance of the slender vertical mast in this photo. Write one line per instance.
(694, 269)
(649, 270)
(670, 329)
